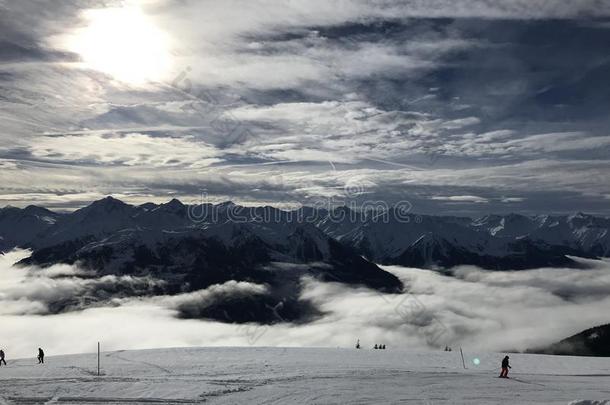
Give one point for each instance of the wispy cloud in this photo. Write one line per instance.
(461, 198)
(323, 93)
(131, 149)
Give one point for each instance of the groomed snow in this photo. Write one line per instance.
(249, 375)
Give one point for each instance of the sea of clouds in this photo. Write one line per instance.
(469, 307)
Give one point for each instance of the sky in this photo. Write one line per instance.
(476, 309)
(459, 107)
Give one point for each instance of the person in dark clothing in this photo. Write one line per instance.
(2, 358)
(375, 347)
(358, 344)
(40, 356)
(505, 367)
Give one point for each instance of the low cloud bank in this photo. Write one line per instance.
(59, 288)
(477, 309)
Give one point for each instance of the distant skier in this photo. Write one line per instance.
(383, 347)
(40, 356)
(2, 358)
(375, 347)
(358, 344)
(505, 367)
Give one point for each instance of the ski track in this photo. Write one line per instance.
(312, 376)
(146, 363)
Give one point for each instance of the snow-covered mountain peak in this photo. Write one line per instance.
(105, 205)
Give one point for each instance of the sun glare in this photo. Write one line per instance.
(124, 43)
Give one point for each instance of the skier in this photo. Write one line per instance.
(505, 367)
(2, 358)
(375, 347)
(40, 356)
(358, 344)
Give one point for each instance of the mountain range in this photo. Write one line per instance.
(192, 247)
(591, 342)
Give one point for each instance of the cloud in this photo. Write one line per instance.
(421, 99)
(192, 304)
(512, 199)
(131, 149)
(477, 309)
(59, 288)
(498, 143)
(462, 198)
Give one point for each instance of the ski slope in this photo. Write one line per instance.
(303, 375)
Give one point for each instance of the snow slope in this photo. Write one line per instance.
(303, 375)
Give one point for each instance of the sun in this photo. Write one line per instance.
(123, 43)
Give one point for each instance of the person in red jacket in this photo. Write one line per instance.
(505, 367)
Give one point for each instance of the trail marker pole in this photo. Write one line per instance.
(98, 359)
(462, 354)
